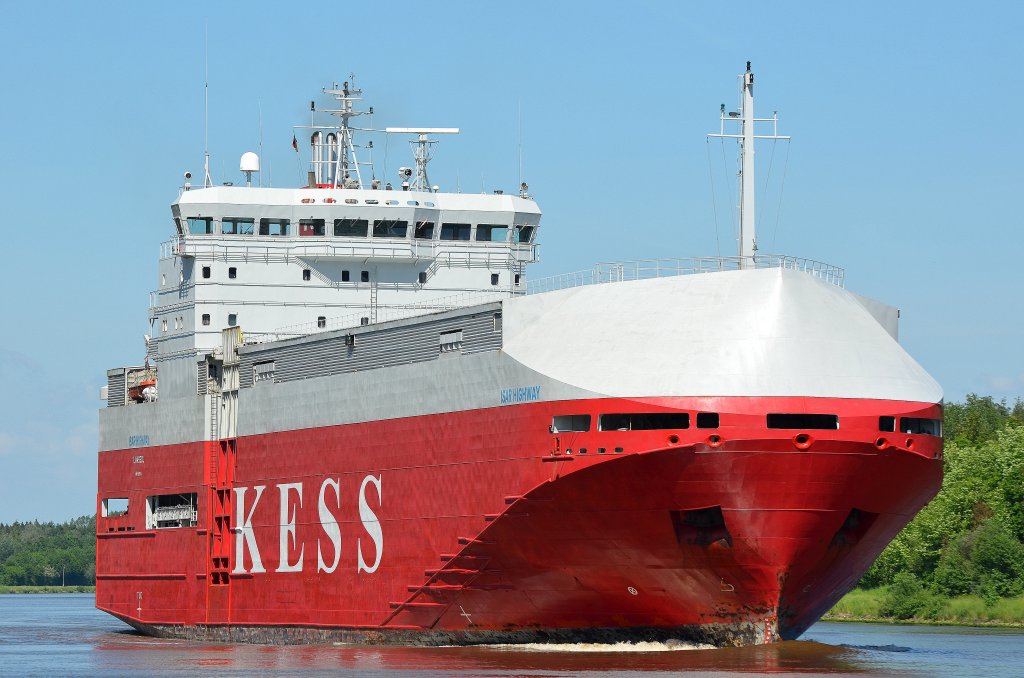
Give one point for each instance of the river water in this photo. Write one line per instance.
(63, 635)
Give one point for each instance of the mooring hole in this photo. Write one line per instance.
(701, 527)
(854, 528)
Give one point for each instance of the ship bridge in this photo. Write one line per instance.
(290, 261)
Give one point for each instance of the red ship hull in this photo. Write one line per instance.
(481, 526)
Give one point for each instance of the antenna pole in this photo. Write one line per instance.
(519, 140)
(259, 106)
(207, 181)
(747, 244)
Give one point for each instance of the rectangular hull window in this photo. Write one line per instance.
(171, 510)
(645, 421)
(115, 506)
(826, 422)
(928, 427)
(570, 422)
(707, 420)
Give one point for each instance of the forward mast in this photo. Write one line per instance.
(747, 246)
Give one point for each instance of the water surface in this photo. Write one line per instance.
(58, 635)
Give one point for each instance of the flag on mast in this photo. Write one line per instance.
(295, 143)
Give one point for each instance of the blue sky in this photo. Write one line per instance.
(904, 168)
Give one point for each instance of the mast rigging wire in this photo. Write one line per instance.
(782, 188)
(714, 199)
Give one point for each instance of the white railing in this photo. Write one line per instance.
(602, 273)
(611, 272)
(277, 248)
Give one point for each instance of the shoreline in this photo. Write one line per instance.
(914, 621)
(839, 618)
(28, 590)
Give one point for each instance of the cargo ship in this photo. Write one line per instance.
(359, 421)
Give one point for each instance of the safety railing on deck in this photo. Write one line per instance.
(602, 273)
(276, 248)
(610, 272)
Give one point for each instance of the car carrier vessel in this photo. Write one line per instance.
(359, 421)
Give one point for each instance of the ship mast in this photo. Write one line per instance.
(748, 228)
(747, 245)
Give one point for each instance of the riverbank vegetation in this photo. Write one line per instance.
(47, 589)
(48, 554)
(962, 558)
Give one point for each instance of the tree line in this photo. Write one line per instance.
(48, 554)
(970, 538)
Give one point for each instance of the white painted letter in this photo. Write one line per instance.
(288, 528)
(330, 525)
(243, 532)
(371, 525)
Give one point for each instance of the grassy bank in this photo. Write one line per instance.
(866, 605)
(47, 589)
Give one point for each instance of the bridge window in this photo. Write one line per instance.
(321, 321)
(351, 228)
(344, 276)
(455, 231)
(274, 226)
(232, 272)
(200, 226)
(390, 228)
(424, 230)
(928, 427)
(525, 233)
(364, 276)
(232, 319)
(311, 227)
(305, 274)
(206, 318)
(644, 421)
(206, 271)
(887, 424)
(494, 278)
(236, 226)
(823, 422)
(567, 423)
(423, 277)
(491, 233)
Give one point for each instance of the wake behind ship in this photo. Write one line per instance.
(357, 421)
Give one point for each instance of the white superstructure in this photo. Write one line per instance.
(346, 249)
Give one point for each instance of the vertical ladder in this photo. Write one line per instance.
(373, 300)
(214, 416)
